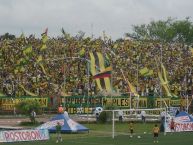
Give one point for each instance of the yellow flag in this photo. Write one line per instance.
(27, 50)
(43, 47)
(28, 92)
(82, 52)
(39, 59)
(143, 70)
(44, 38)
(132, 89)
(191, 51)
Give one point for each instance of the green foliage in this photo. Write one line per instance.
(7, 36)
(26, 106)
(110, 107)
(106, 116)
(103, 117)
(170, 30)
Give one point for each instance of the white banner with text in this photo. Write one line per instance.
(24, 135)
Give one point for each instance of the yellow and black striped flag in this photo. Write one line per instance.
(101, 71)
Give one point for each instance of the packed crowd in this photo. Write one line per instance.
(63, 68)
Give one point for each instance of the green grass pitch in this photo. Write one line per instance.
(100, 134)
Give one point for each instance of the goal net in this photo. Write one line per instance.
(139, 116)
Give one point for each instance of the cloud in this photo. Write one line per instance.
(116, 17)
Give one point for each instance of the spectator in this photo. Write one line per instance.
(97, 116)
(36, 73)
(143, 116)
(172, 125)
(120, 114)
(33, 116)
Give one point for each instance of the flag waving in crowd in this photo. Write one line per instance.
(34, 66)
(101, 72)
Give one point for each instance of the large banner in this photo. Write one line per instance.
(80, 104)
(86, 104)
(23, 135)
(180, 126)
(9, 103)
(183, 122)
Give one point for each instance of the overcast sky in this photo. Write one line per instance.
(116, 17)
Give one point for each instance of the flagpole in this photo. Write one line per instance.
(128, 85)
(130, 101)
(88, 88)
(161, 97)
(137, 105)
(186, 88)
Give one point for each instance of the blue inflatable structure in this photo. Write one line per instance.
(68, 125)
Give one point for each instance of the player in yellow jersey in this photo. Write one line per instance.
(155, 133)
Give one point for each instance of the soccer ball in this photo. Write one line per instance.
(138, 136)
(144, 132)
(98, 110)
